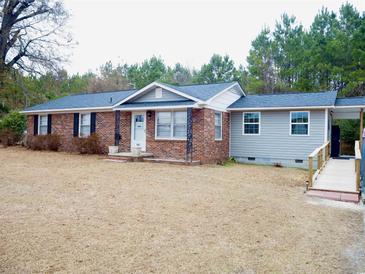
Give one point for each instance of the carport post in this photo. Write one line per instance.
(361, 126)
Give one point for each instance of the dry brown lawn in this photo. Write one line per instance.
(69, 213)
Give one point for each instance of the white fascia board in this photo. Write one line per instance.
(357, 106)
(223, 91)
(278, 108)
(158, 85)
(67, 110)
(212, 107)
(154, 108)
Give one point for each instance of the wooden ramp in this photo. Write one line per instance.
(336, 181)
(337, 175)
(334, 178)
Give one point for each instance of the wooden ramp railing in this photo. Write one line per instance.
(357, 164)
(323, 154)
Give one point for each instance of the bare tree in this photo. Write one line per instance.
(32, 35)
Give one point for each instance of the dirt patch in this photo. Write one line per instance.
(71, 213)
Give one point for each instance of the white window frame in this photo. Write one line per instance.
(171, 125)
(221, 114)
(80, 119)
(243, 123)
(308, 123)
(39, 124)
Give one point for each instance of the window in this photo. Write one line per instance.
(85, 124)
(251, 123)
(43, 124)
(171, 125)
(180, 119)
(299, 123)
(218, 125)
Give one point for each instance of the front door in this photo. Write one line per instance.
(335, 141)
(138, 133)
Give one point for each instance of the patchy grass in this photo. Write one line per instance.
(72, 213)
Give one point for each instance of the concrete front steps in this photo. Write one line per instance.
(172, 161)
(334, 195)
(123, 157)
(129, 156)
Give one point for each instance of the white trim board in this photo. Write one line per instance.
(67, 110)
(156, 84)
(277, 108)
(223, 91)
(156, 108)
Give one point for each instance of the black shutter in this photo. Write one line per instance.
(35, 125)
(49, 124)
(93, 123)
(76, 124)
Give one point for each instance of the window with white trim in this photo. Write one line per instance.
(85, 124)
(299, 123)
(171, 124)
(218, 125)
(251, 123)
(43, 124)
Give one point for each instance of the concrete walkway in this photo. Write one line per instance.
(337, 175)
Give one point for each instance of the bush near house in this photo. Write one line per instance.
(88, 145)
(12, 127)
(44, 142)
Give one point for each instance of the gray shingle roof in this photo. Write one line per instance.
(156, 104)
(203, 92)
(302, 99)
(350, 101)
(86, 100)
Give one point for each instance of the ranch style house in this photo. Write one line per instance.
(200, 123)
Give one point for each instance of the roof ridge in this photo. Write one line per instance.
(199, 84)
(294, 92)
(98, 92)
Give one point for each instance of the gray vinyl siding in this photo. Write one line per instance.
(275, 144)
(166, 96)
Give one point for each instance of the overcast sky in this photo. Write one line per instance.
(188, 32)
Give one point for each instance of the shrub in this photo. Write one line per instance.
(44, 142)
(88, 145)
(8, 137)
(14, 121)
(12, 127)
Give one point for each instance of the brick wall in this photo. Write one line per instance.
(62, 125)
(105, 129)
(205, 148)
(125, 131)
(173, 149)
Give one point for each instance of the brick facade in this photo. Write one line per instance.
(105, 129)
(168, 149)
(125, 131)
(62, 125)
(205, 147)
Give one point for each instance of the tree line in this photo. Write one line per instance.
(329, 55)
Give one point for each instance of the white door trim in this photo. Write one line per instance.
(143, 145)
